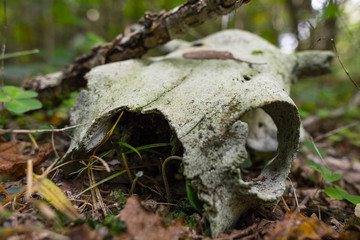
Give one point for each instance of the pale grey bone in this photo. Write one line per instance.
(203, 102)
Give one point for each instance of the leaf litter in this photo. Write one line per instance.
(321, 217)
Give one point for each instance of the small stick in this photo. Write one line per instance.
(104, 163)
(3, 131)
(212, 54)
(342, 65)
(53, 144)
(127, 167)
(335, 131)
(29, 178)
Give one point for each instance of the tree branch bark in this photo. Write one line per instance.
(156, 29)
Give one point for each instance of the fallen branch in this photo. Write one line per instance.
(157, 29)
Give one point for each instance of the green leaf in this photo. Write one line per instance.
(131, 147)
(25, 94)
(17, 93)
(11, 91)
(19, 106)
(149, 146)
(320, 153)
(351, 198)
(340, 194)
(332, 192)
(3, 97)
(18, 54)
(325, 172)
(102, 181)
(355, 199)
(193, 198)
(331, 11)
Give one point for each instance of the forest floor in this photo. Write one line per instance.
(110, 211)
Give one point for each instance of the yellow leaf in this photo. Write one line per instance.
(51, 193)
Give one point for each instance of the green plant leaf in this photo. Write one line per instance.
(149, 146)
(340, 194)
(19, 106)
(325, 172)
(17, 93)
(102, 181)
(331, 11)
(312, 148)
(351, 198)
(131, 147)
(19, 54)
(3, 97)
(25, 94)
(193, 198)
(332, 192)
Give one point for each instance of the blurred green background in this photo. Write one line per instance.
(64, 29)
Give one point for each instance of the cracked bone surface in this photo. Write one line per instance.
(211, 107)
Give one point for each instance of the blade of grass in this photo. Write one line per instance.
(102, 181)
(155, 145)
(19, 54)
(131, 147)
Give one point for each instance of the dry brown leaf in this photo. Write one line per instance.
(13, 161)
(301, 227)
(142, 223)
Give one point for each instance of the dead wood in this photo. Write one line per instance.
(156, 30)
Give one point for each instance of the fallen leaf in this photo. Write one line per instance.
(142, 223)
(56, 198)
(300, 227)
(13, 161)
